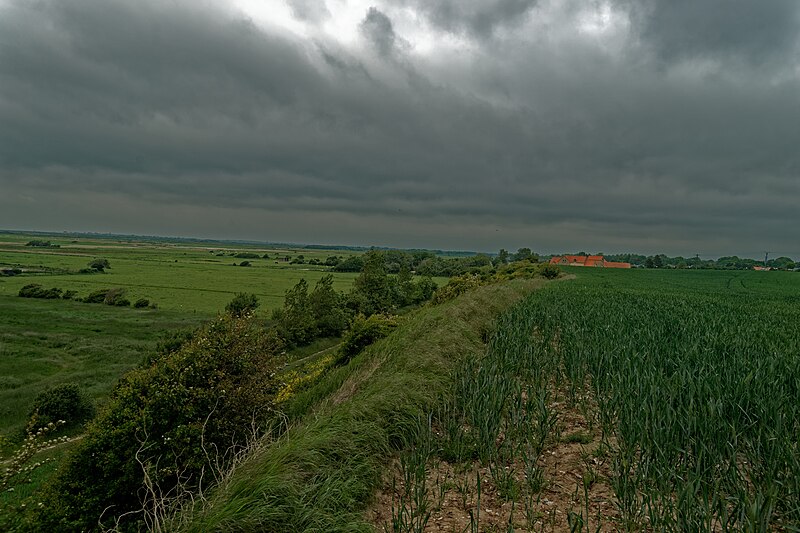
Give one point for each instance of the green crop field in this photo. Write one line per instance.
(675, 394)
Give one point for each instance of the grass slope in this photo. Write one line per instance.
(320, 475)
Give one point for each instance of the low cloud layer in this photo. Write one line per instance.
(559, 125)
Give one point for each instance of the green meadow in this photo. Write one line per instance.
(44, 343)
(181, 277)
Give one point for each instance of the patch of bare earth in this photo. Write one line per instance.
(573, 458)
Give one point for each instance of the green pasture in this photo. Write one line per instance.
(45, 343)
(177, 277)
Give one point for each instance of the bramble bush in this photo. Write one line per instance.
(175, 418)
(362, 333)
(242, 304)
(66, 402)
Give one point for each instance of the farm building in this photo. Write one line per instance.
(587, 260)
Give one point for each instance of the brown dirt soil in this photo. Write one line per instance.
(565, 463)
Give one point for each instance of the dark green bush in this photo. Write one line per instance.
(96, 297)
(69, 295)
(99, 265)
(242, 304)
(178, 416)
(116, 297)
(34, 290)
(549, 271)
(141, 303)
(362, 333)
(65, 402)
(457, 285)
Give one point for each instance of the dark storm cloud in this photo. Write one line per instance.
(476, 17)
(757, 32)
(556, 125)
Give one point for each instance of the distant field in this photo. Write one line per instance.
(180, 277)
(45, 343)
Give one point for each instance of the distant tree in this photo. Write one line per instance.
(404, 286)
(502, 257)
(295, 321)
(658, 261)
(242, 304)
(327, 308)
(99, 265)
(354, 263)
(371, 289)
(332, 261)
(525, 254)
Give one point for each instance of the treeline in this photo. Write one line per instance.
(425, 263)
(723, 263)
(324, 312)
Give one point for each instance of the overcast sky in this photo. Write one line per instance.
(652, 126)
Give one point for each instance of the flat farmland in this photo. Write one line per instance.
(180, 277)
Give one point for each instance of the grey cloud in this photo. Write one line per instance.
(757, 32)
(378, 29)
(310, 10)
(480, 18)
(206, 124)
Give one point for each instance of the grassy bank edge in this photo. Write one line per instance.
(321, 475)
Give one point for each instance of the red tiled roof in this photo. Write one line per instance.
(589, 261)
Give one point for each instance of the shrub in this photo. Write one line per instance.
(457, 285)
(99, 265)
(68, 295)
(34, 290)
(247, 255)
(65, 402)
(10, 272)
(116, 297)
(141, 303)
(362, 333)
(96, 297)
(242, 304)
(176, 418)
(244, 264)
(549, 271)
(31, 290)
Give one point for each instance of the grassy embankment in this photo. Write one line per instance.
(321, 473)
